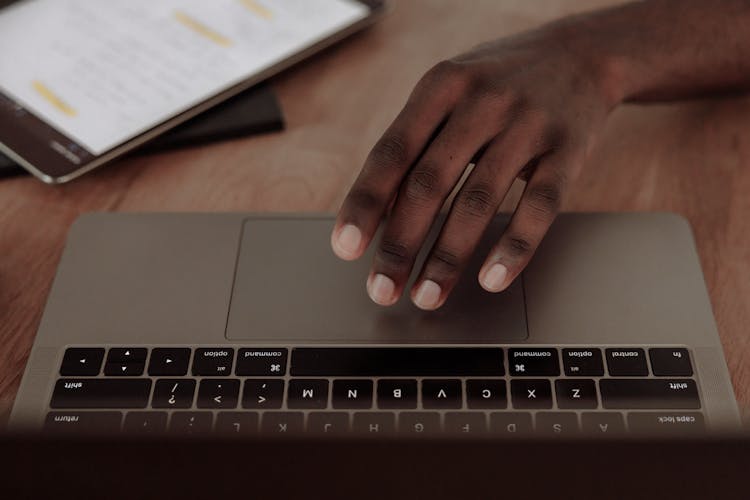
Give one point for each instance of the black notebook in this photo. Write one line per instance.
(254, 111)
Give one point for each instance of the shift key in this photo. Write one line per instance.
(649, 394)
(101, 393)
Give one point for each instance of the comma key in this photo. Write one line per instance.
(263, 394)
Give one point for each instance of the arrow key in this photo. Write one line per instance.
(218, 393)
(124, 369)
(126, 355)
(82, 361)
(263, 393)
(167, 361)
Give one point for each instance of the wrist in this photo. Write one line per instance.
(595, 46)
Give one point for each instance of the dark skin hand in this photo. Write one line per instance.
(531, 106)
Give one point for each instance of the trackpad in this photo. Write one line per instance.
(289, 287)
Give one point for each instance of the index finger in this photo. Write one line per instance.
(389, 161)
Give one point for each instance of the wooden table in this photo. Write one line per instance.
(690, 158)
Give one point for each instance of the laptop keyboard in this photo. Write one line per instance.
(376, 391)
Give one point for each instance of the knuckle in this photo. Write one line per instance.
(423, 184)
(445, 73)
(447, 261)
(393, 254)
(476, 201)
(545, 198)
(390, 150)
(519, 245)
(364, 200)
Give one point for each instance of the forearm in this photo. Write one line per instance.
(661, 50)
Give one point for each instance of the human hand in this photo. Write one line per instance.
(533, 105)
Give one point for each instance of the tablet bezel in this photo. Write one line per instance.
(44, 155)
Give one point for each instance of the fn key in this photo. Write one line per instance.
(670, 362)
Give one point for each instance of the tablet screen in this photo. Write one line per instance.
(102, 72)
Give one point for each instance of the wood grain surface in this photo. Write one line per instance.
(692, 158)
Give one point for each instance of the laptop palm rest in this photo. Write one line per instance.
(289, 287)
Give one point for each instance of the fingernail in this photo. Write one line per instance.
(427, 296)
(381, 288)
(346, 243)
(494, 278)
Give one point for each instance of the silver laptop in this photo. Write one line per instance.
(248, 325)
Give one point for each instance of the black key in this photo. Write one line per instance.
(397, 361)
(191, 422)
(441, 394)
(465, 423)
(670, 362)
(121, 355)
(666, 423)
(83, 422)
(583, 362)
(282, 423)
(243, 423)
(394, 394)
(627, 362)
(169, 362)
(307, 393)
(556, 424)
(328, 423)
(101, 393)
(133, 369)
(576, 394)
(416, 423)
(602, 423)
(213, 362)
(531, 394)
(218, 394)
(261, 362)
(510, 424)
(533, 362)
(649, 394)
(263, 394)
(352, 394)
(486, 394)
(145, 422)
(82, 361)
(367, 423)
(173, 393)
